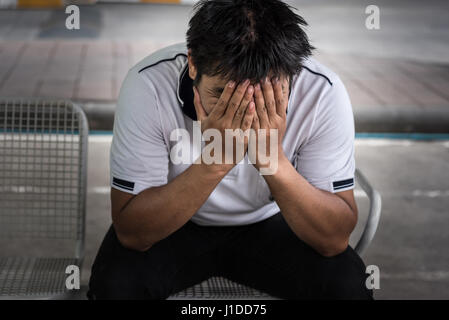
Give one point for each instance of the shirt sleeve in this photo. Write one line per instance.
(139, 154)
(327, 158)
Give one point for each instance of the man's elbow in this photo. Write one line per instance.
(337, 244)
(333, 248)
(133, 243)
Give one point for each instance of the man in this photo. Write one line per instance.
(246, 66)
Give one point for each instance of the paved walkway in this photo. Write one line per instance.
(387, 94)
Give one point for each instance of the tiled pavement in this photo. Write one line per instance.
(387, 94)
(79, 70)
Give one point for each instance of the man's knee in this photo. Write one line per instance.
(113, 274)
(114, 282)
(121, 273)
(339, 277)
(120, 282)
(346, 278)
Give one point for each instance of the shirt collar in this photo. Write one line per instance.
(185, 92)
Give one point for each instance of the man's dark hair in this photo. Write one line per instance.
(240, 39)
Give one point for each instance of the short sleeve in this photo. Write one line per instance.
(327, 158)
(139, 154)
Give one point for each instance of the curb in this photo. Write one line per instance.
(401, 119)
(100, 116)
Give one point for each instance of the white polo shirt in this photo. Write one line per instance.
(156, 98)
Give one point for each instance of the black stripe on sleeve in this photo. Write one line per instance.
(343, 184)
(123, 184)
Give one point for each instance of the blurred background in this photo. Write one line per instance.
(397, 77)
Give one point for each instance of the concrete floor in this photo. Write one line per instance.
(410, 247)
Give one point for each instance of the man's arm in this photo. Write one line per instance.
(155, 213)
(320, 218)
(142, 220)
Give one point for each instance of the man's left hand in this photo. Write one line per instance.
(271, 99)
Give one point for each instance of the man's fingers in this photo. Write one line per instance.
(268, 95)
(223, 101)
(280, 97)
(240, 113)
(260, 106)
(256, 124)
(234, 102)
(200, 112)
(248, 118)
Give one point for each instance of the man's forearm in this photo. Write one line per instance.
(320, 218)
(157, 212)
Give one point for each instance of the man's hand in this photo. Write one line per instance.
(271, 105)
(235, 109)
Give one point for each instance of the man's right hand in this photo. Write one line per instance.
(235, 109)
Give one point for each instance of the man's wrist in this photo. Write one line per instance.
(282, 164)
(282, 158)
(215, 170)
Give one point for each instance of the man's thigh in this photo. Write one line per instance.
(183, 259)
(268, 256)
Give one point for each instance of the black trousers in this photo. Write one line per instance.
(266, 255)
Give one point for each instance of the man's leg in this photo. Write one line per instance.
(268, 256)
(181, 260)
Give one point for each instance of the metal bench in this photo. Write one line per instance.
(43, 159)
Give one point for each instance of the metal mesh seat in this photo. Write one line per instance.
(43, 158)
(41, 276)
(222, 288)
